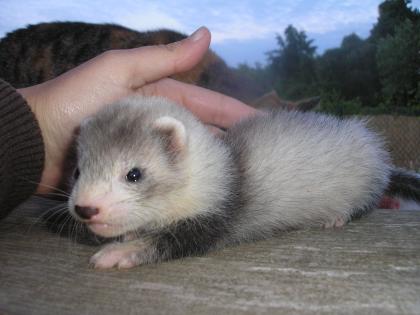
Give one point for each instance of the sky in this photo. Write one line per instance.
(242, 31)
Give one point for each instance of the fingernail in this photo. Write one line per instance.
(198, 34)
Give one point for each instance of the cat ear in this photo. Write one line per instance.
(174, 134)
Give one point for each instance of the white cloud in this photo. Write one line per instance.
(228, 20)
(233, 23)
(330, 16)
(152, 20)
(135, 14)
(239, 27)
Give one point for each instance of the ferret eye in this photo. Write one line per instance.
(134, 175)
(76, 173)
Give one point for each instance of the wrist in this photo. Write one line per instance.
(31, 95)
(49, 125)
(21, 141)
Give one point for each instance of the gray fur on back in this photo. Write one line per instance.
(306, 169)
(271, 172)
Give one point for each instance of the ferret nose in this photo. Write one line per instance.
(86, 212)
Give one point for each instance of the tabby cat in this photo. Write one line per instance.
(43, 51)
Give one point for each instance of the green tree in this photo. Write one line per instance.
(333, 103)
(350, 70)
(380, 74)
(398, 60)
(292, 66)
(259, 74)
(391, 14)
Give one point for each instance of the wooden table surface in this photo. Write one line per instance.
(371, 266)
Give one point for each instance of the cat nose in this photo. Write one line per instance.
(86, 212)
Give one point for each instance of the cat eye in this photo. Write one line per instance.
(134, 175)
(76, 173)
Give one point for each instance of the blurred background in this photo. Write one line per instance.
(346, 57)
(243, 31)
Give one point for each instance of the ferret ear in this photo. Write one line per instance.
(173, 132)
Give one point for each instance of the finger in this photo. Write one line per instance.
(151, 63)
(209, 106)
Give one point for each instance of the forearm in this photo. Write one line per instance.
(21, 150)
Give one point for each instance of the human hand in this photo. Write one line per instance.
(62, 103)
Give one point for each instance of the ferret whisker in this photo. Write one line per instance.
(73, 231)
(55, 194)
(58, 227)
(94, 235)
(40, 197)
(58, 213)
(79, 230)
(175, 238)
(51, 209)
(46, 215)
(47, 186)
(67, 218)
(60, 207)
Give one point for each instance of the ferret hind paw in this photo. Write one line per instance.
(121, 256)
(337, 222)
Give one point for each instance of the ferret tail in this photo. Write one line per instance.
(404, 184)
(403, 191)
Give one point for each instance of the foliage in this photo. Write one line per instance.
(379, 74)
(259, 74)
(293, 66)
(350, 70)
(398, 60)
(333, 103)
(391, 14)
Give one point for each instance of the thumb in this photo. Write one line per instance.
(151, 63)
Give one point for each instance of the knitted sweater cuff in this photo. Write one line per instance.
(21, 150)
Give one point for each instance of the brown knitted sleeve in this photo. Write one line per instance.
(21, 150)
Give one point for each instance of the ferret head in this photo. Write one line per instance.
(131, 171)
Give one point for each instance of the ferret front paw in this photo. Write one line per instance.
(119, 255)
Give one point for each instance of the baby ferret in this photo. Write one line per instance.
(153, 175)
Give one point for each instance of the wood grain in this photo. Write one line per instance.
(371, 266)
